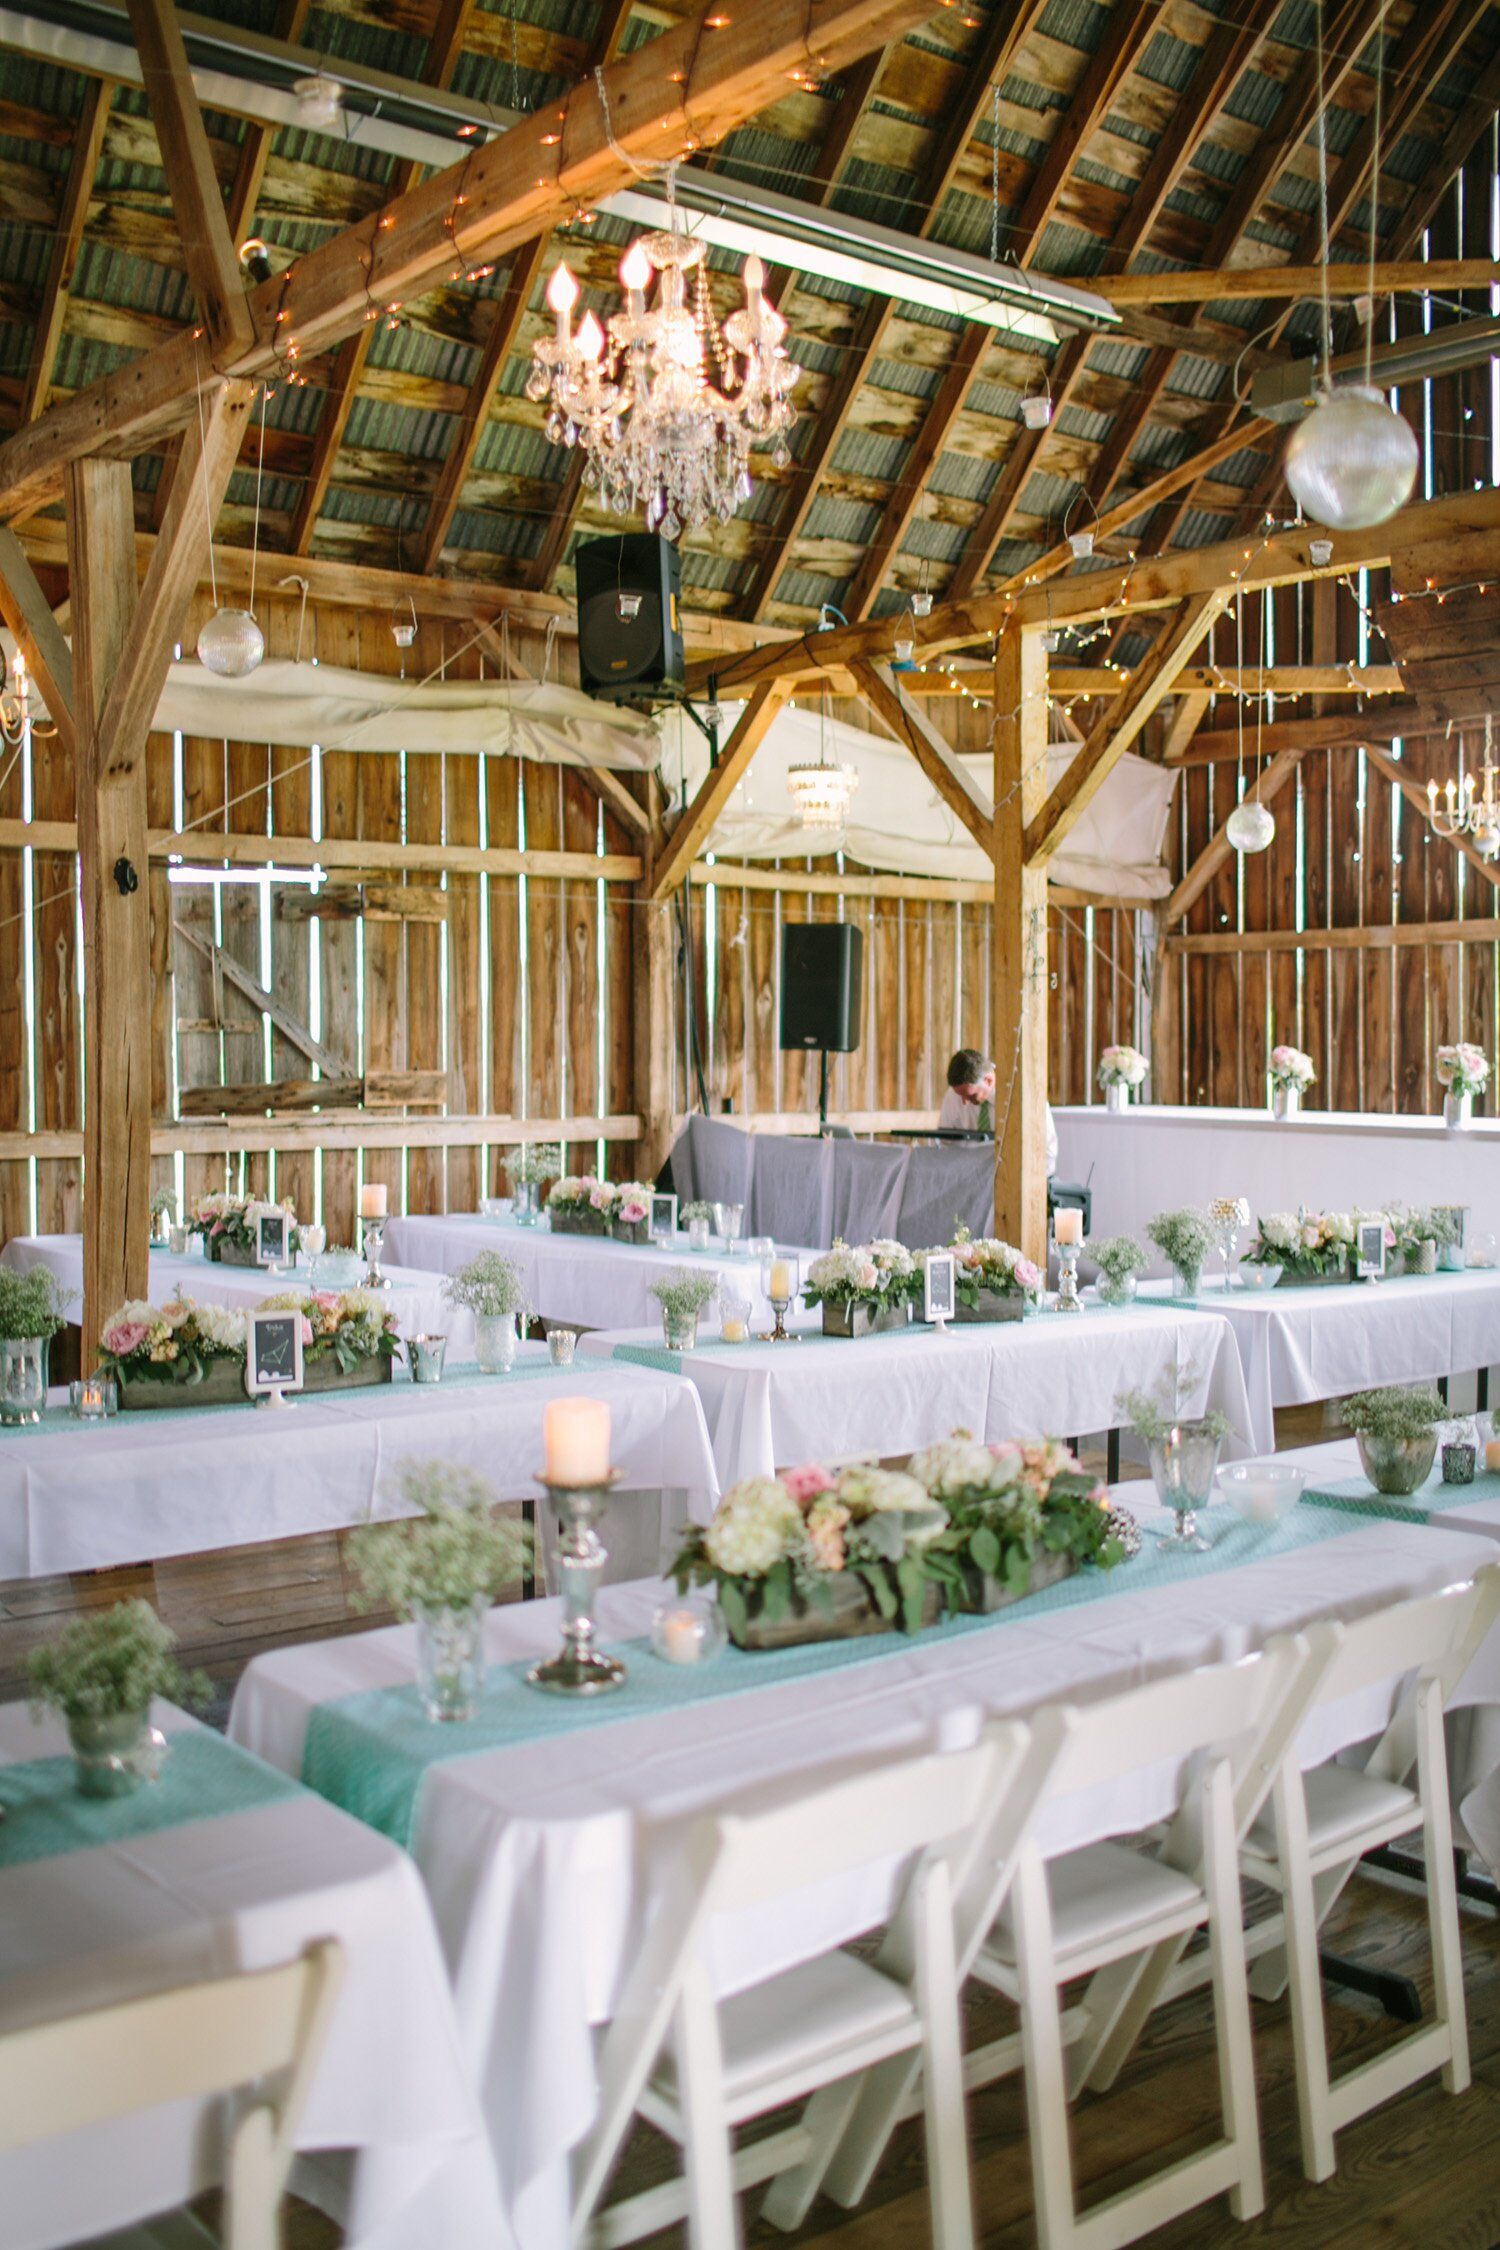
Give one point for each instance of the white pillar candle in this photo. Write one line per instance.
(779, 1280)
(575, 1432)
(681, 1637)
(1067, 1226)
(374, 1200)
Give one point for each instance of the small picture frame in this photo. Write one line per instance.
(940, 1288)
(663, 1218)
(1369, 1251)
(273, 1354)
(273, 1238)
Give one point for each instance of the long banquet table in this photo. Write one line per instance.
(540, 1855)
(1051, 1375)
(114, 1913)
(1302, 1344)
(416, 1297)
(173, 1481)
(583, 1280)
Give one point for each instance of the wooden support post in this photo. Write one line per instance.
(654, 1098)
(1019, 951)
(116, 916)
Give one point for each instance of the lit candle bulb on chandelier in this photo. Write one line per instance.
(635, 273)
(590, 338)
(562, 296)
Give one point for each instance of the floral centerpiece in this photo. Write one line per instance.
(187, 1354)
(1397, 1432)
(1291, 1073)
(101, 1674)
(1120, 1260)
(1184, 1239)
(1121, 1070)
(993, 1279)
(684, 1298)
(442, 1570)
(812, 1555)
(630, 1213)
(1308, 1246)
(31, 1313)
(580, 1203)
(490, 1287)
(1463, 1071)
(1411, 1239)
(1020, 1517)
(864, 1288)
(228, 1223)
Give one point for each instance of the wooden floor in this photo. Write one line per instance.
(1423, 2174)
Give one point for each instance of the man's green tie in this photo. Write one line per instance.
(986, 1118)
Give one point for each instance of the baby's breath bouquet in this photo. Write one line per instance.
(1120, 1259)
(684, 1298)
(814, 1554)
(534, 1161)
(452, 1552)
(31, 1304)
(1184, 1239)
(489, 1286)
(110, 1664)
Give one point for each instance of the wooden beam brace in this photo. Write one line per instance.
(696, 824)
(197, 201)
(1129, 25)
(1351, 279)
(291, 1027)
(1415, 794)
(202, 847)
(619, 800)
(88, 147)
(1338, 731)
(1218, 851)
(25, 609)
(1383, 937)
(695, 80)
(463, 442)
(1107, 741)
(1470, 123)
(937, 760)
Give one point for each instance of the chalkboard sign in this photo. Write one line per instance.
(273, 1231)
(1369, 1256)
(273, 1354)
(940, 1286)
(663, 1217)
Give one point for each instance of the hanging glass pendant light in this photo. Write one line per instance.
(1353, 462)
(1250, 826)
(822, 792)
(231, 644)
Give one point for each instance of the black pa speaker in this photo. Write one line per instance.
(822, 979)
(629, 627)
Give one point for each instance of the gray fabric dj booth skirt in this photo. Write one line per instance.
(813, 1191)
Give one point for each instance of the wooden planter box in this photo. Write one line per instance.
(577, 1222)
(863, 1320)
(987, 1594)
(222, 1253)
(994, 1304)
(224, 1384)
(852, 1615)
(637, 1231)
(1336, 1280)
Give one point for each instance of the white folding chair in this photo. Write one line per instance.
(260, 2032)
(696, 2066)
(1318, 1825)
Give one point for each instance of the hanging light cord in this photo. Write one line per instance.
(1323, 200)
(213, 577)
(260, 467)
(1379, 122)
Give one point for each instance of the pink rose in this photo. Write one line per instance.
(825, 1534)
(804, 1485)
(1028, 1275)
(125, 1337)
(307, 1330)
(326, 1300)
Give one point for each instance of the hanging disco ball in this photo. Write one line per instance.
(1353, 462)
(231, 644)
(1250, 826)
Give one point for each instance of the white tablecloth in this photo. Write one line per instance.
(147, 1485)
(584, 1280)
(774, 1405)
(1158, 1158)
(538, 1869)
(1297, 1345)
(416, 1297)
(248, 1890)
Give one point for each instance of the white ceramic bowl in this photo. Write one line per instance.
(1258, 1277)
(1263, 1492)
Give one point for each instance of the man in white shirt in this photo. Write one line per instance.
(969, 1103)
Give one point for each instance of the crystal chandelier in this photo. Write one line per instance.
(822, 792)
(1470, 807)
(658, 433)
(15, 700)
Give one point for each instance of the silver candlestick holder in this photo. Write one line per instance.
(373, 1238)
(1067, 1278)
(579, 1668)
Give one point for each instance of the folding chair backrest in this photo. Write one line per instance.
(184, 2044)
(1434, 1635)
(1211, 1708)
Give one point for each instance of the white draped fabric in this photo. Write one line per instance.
(539, 1858)
(248, 1890)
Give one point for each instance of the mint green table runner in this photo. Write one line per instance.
(370, 1752)
(753, 1352)
(1356, 1496)
(202, 1777)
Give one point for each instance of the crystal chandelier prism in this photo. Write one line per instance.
(659, 433)
(822, 790)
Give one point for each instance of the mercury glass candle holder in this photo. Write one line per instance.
(1184, 1461)
(579, 1667)
(372, 1235)
(1068, 1300)
(778, 1281)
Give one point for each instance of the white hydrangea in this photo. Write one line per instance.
(135, 1313)
(1281, 1230)
(755, 1524)
(837, 1268)
(364, 1304)
(1340, 1226)
(223, 1326)
(958, 1464)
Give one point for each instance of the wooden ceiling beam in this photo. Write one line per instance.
(1112, 735)
(88, 147)
(937, 759)
(900, 510)
(39, 637)
(1470, 124)
(525, 179)
(1256, 282)
(213, 269)
(1336, 731)
(255, 149)
(696, 822)
(1129, 25)
(463, 445)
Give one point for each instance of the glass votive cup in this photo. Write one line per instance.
(1458, 1462)
(759, 1246)
(493, 1206)
(179, 1240)
(427, 1356)
(690, 1630)
(93, 1399)
(312, 1242)
(734, 1320)
(561, 1345)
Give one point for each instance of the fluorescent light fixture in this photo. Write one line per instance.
(1288, 392)
(808, 239)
